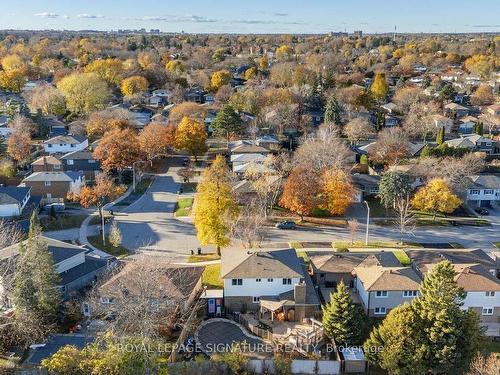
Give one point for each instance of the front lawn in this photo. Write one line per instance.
(497, 244)
(62, 222)
(374, 244)
(142, 186)
(108, 248)
(184, 206)
(203, 257)
(211, 277)
(402, 257)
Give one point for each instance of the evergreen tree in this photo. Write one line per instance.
(363, 160)
(426, 152)
(333, 111)
(343, 320)
(227, 122)
(393, 185)
(35, 293)
(478, 128)
(440, 136)
(450, 335)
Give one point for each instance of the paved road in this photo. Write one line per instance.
(148, 225)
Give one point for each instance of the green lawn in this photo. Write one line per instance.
(390, 244)
(497, 244)
(402, 257)
(296, 245)
(203, 257)
(96, 219)
(302, 254)
(184, 206)
(62, 222)
(116, 251)
(211, 277)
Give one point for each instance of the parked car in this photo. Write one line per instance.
(482, 211)
(185, 161)
(288, 224)
(58, 207)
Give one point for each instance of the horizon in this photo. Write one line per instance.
(277, 17)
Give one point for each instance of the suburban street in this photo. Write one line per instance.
(148, 225)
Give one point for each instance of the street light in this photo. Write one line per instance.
(367, 222)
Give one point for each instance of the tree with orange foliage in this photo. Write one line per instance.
(104, 191)
(156, 139)
(300, 192)
(391, 146)
(19, 146)
(338, 191)
(118, 149)
(106, 120)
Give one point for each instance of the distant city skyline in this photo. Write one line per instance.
(258, 17)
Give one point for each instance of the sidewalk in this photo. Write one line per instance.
(83, 233)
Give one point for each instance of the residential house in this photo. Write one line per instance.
(65, 143)
(391, 121)
(474, 142)
(328, 268)
(82, 161)
(248, 148)
(484, 190)
(240, 159)
(245, 190)
(258, 168)
(494, 109)
(173, 283)
(268, 141)
(55, 186)
(412, 171)
(454, 110)
(195, 95)
(77, 267)
(389, 107)
(476, 272)
(271, 282)
(47, 164)
(381, 289)
(441, 121)
(366, 185)
(13, 199)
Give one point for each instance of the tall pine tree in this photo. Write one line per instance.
(36, 295)
(343, 320)
(440, 136)
(333, 111)
(227, 122)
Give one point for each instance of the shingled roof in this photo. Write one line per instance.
(388, 278)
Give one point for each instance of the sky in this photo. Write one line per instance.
(254, 16)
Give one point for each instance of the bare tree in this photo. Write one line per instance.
(146, 297)
(357, 129)
(404, 219)
(353, 226)
(249, 227)
(419, 122)
(481, 365)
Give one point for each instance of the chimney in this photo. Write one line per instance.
(299, 293)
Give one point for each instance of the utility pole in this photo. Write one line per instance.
(367, 222)
(394, 37)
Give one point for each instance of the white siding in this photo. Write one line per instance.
(9, 210)
(479, 299)
(65, 147)
(362, 293)
(482, 196)
(252, 288)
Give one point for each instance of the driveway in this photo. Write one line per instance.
(219, 335)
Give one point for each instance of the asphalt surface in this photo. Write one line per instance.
(149, 226)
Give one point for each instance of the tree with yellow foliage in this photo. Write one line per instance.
(220, 78)
(284, 52)
(191, 136)
(436, 197)
(12, 80)
(482, 65)
(175, 67)
(338, 191)
(134, 85)
(109, 70)
(263, 64)
(84, 92)
(187, 109)
(379, 87)
(13, 62)
(215, 207)
(19, 146)
(250, 73)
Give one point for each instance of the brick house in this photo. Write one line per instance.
(47, 164)
(54, 186)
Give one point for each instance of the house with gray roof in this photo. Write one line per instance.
(65, 143)
(81, 161)
(55, 186)
(484, 190)
(77, 267)
(474, 142)
(13, 199)
(270, 282)
(381, 289)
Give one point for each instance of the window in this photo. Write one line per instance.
(487, 310)
(270, 280)
(321, 275)
(57, 166)
(70, 162)
(380, 310)
(256, 299)
(107, 300)
(490, 294)
(474, 192)
(91, 161)
(258, 280)
(381, 294)
(60, 144)
(73, 145)
(48, 183)
(488, 191)
(287, 281)
(50, 145)
(410, 293)
(237, 281)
